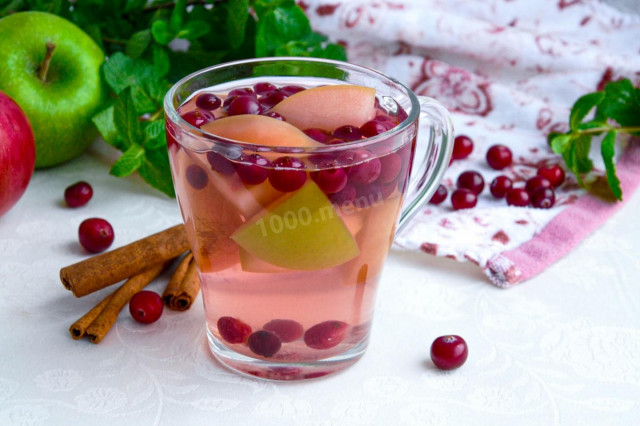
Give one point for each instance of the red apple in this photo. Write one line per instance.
(17, 153)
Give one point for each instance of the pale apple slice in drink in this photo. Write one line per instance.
(259, 130)
(251, 263)
(375, 238)
(301, 230)
(329, 107)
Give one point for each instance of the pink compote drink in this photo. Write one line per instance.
(290, 244)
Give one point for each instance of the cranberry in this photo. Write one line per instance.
(270, 99)
(462, 147)
(543, 198)
(146, 306)
(325, 335)
(232, 330)
(472, 181)
(196, 177)
(287, 330)
(264, 343)
(252, 169)
(220, 163)
(208, 101)
(375, 127)
(346, 195)
(500, 185)
(347, 133)
(263, 87)
(449, 352)
(292, 89)
(554, 173)
(368, 168)
(198, 117)
(95, 235)
(331, 180)
(243, 91)
(390, 166)
(537, 182)
(439, 196)
(318, 135)
(78, 194)
(463, 198)
(288, 174)
(517, 197)
(274, 115)
(243, 105)
(499, 157)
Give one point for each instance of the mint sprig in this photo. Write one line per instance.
(616, 110)
(138, 38)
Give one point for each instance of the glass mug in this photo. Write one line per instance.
(290, 234)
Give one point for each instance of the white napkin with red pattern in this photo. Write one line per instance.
(509, 72)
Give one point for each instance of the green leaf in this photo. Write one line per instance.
(161, 63)
(155, 170)
(237, 16)
(278, 27)
(127, 119)
(608, 153)
(177, 16)
(582, 107)
(143, 103)
(161, 33)
(121, 71)
(560, 143)
(128, 162)
(106, 125)
(582, 147)
(154, 135)
(621, 103)
(138, 43)
(193, 30)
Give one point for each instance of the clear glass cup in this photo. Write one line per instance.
(290, 238)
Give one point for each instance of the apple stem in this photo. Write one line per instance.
(44, 67)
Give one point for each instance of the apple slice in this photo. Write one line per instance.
(375, 237)
(301, 230)
(260, 130)
(329, 107)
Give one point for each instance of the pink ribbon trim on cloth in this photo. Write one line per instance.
(565, 231)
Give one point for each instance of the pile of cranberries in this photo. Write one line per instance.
(267, 341)
(538, 191)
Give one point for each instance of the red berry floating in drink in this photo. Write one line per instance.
(233, 330)
(326, 335)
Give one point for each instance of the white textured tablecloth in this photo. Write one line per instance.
(561, 349)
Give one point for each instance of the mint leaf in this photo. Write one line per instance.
(161, 62)
(154, 135)
(143, 103)
(621, 103)
(237, 17)
(193, 30)
(106, 125)
(608, 153)
(582, 107)
(581, 149)
(278, 27)
(561, 142)
(177, 16)
(161, 32)
(121, 71)
(155, 170)
(128, 162)
(127, 119)
(138, 43)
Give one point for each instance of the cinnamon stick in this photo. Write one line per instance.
(105, 269)
(79, 328)
(101, 325)
(183, 286)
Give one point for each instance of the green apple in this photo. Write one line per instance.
(51, 68)
(299, 231)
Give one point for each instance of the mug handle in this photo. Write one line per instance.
(431, 157)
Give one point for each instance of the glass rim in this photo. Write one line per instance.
(172, 113)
